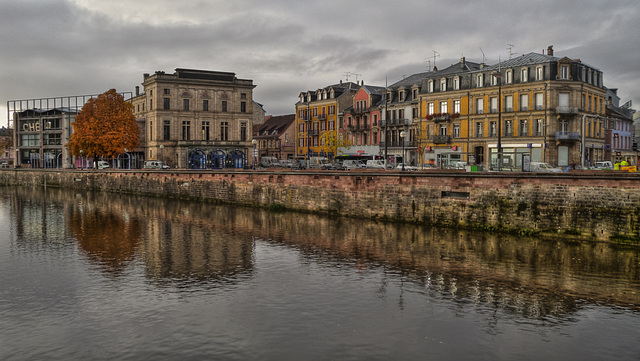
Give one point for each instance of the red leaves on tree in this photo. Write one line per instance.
(104, 127)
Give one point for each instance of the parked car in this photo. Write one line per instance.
(407, 167)
(269, 162)
(102, 164)
(350, 164)
(375, 164)
(604, 165)
(286, 163)
(154, 164)
(4, 165)
(541, 167)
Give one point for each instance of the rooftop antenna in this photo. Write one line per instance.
(484, 58)
(510, 47)
(435, 55)
(346, 75)
(356, 75)
(428, 64)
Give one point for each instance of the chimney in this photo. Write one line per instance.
(137, 90)
(462, 63)
(550, 50)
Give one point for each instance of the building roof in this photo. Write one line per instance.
(274, 126)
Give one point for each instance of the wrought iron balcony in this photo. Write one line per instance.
(567, 110)
(567, 135)
(440, 139)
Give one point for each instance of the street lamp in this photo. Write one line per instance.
(402, 135)
(254, 142)
(81, 163)
(162, 153)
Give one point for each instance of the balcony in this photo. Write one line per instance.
(440, 139)
(567, 135)
(567, 110)
(395, 122)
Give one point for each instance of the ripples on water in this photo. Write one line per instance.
(103, 276)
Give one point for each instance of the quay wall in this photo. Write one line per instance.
(599, 206)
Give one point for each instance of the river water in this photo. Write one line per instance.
(99, 276)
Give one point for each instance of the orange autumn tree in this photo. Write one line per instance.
(104, 127)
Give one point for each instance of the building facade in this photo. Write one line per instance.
(547, 108)
(319, 112)
(196, 119)
(363, 120)
(276, 137)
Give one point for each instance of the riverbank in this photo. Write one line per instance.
(602, 206)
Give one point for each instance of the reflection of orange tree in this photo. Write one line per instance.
(107, 238)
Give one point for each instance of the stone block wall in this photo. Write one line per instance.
(595, 206)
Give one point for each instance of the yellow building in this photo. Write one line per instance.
(318, 112)
(535, 105)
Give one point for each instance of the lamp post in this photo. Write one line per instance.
(254, 142)
(81, 163)
(402, 135)
(162, 153)
(498, 75)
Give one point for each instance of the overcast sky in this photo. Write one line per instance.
(72, 47)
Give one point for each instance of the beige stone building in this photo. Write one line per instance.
(196, 119)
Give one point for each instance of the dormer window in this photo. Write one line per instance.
(456, 83)
(494, 80)
(524, 75)
(480, 80)
(401, 95)
(564, 72)
(443, 84)
(430, 88)
(508, 79)
(539, 73)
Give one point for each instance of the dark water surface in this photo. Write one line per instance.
(98, 276)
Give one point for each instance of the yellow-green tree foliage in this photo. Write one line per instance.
(104, 127)
(332, 141)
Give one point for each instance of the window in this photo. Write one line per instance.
(443, 84)
(564, 72)
(480, 80)
(443, 129)
(186, 130)
(415, 94)
(167, 91)
(456, 83)
(444, 107)
(243, 132)
(52, 139)
(480, 106)
(524, 102)
(301, 127)
(185, 104)
(563, 99)
(508, 77)
(494, 104)
(332, 124)
(224, 131)
(205, 105)
(508, 128)
(430, 86)
(508, 103)
(224, 106)
(243, 95)
(494, 80)
(401, 95)
(524, 128)
(479, 130)
(539, 101)
(150, 130)
(524, 75)
(205, 130)
(430, 108)
(539, 73)
(456, 107)
(30, 140)
(243, 107)
(493, 129)
(456, 130)
(167, 130)
(539, 127)
(54, 123)
(167, 103)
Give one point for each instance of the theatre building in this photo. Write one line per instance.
(196, 119)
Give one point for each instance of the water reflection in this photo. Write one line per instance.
(185, 242)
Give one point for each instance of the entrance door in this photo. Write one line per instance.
(563, 156)
(479, 154)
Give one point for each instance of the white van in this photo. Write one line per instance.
(103, 164)
(375, 164)
(155, 164)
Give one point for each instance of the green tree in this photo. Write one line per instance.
(332, 142)
(104, 127)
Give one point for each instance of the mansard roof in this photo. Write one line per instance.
(275, 126)
(523, 60)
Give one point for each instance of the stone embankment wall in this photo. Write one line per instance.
(599, 206)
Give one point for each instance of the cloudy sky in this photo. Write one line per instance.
(72, 47)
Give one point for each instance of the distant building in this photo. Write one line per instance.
(196, 119)
(619, 130)
(276, 137)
